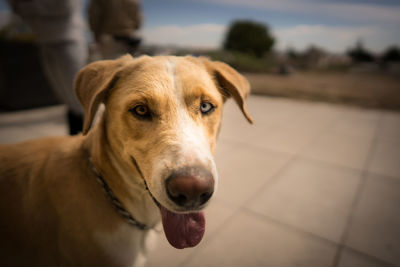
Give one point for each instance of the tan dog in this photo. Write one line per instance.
(152, 147)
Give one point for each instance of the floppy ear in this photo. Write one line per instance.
(92, 84)
(231, 83)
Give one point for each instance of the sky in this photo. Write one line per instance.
(334, 25)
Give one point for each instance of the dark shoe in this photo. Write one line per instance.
(75, 123)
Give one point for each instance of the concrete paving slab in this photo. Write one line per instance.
(244, 170)
(244, 132)
(217, 213)
(52, 128)
(251, 241)
(278, 138)
(361, 123)
(350, 258)
(386, 157)
(286, 112)
(340, 149)
(31, 116)
(286, 129)
(316, 120)
(288, 140)
(390, 125)
(312, 196)
(375, 229)
(251, 159)
(14, 134)
(31, 124)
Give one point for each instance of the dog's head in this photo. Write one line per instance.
(162, 118)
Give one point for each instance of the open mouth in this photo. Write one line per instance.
(182, 230)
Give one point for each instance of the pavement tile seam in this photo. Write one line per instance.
(287, 216)
(330, 128)
(310, 235)
(341, 246)
(332, 164)
(345, 233)
(241, 207)
(212, 233)
(385, 146)
(244, 208)
(260, 148)
(275, 177)
(328, 164)
(358, 194)
(381, 175)
(262, 218)
(288, 227)
(291, 160)
(378, 231)
(317, 136)
(217, 230)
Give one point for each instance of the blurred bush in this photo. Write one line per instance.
(392, 54)
(359, 54)
(243, 61)
(249, 37)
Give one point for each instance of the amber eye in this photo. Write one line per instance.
(206, 107)
(141, 111)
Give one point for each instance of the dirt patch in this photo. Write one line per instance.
(375, 90)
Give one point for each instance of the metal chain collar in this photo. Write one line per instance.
(116, 202)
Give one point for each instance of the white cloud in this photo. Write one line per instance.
(345, 11)
(336, 39)
(200, 35)
(361, 12)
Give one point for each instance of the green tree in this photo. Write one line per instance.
(249, 37)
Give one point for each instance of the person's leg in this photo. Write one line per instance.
(59, 28)
(61, 61)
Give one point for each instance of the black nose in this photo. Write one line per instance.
(190, 187)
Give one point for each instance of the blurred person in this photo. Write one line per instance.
(114, 25)
(60, 32)
(58, 27)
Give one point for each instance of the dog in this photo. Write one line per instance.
(93, 199)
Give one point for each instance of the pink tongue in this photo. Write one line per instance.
(183, 230)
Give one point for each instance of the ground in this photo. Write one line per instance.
(309, 184)
(375, 89)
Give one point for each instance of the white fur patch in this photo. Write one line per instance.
(190, 147)
(127, 246)
(171, 70)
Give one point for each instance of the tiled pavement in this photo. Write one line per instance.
(309, 184)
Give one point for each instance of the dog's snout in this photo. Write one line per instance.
(190, 187)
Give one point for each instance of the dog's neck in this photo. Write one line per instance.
(123, 179)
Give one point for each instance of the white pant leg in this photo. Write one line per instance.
(59, 29)
(61, 62)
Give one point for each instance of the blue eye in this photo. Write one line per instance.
(206, 107)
